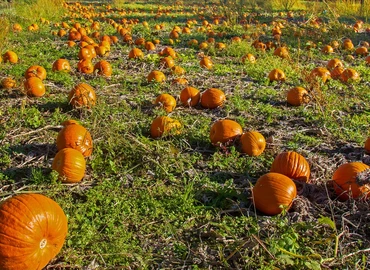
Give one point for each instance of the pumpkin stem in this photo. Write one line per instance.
(43, 243)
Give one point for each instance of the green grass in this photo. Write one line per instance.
(180, 202)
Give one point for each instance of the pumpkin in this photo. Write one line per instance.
(367, 60)
(85, 54)
(212, 98)
(320, 73)
(11, 57)
(164, 126)
(348, 45)
(166, 101)
(224, 131)
(70, 165)
(167, 62)
(103, 68)
(346, 184)
(82, 95)
(367, 145)
(33, 229)
(177, 70)
(156, 76)
(189, 96)
(252, 143)
(149, 46)
(92, 49)
(336, 72)
(248, 57)
(135, 53)
(139, 42)
(327, 49)
(74, 35)
(282, 52)
(35, 71)
(8, 83)
(276, 75)
(292, 165)
(75, 136)
(180, 81)
(206, 62)
(361, 51)
(297, 96)
(273, 190)
(61, 65)
(168, 51)
(349, 75)
(17, 27)
(34, 87)
(85, 66)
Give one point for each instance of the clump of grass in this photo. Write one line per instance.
(4, 31)
(36, 9)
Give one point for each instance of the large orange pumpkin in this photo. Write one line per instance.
(320, 73)
(273, 190)
(166, 101)
(189, 96)
(82, 95)
(297, 96)
(164, 126)
(33, 229)
(70, 164)
(276, 75)
(75, 136)
(224, 131)
(34, 87)
(212, 98)
(36, 71)
(293, 165)
(252, 143)
(157, 76)
(103, 68)
(61, 65)
(346, 184)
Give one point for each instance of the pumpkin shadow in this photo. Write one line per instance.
(52, 106)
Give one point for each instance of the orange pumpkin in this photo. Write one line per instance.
(180, 81)
(297, 96)
(177, 70)
(252, 143)
(34, 87)
(276, 75)
(336, 72)
(320, 73)
(293, 165)
(333, 63)
(212, 98)
(190, 96)
(206, 62)
(327, 49)
(61, 65)
(168, 51)
(135, 53)
(167, 62)
(103, 68)
(282, 52)
(166, 101)
(224, 131)
(164, 126)
(149, 46)
(82, 95)
(35, 71)
(33, 229)
(349, 75)
(85, 54)
(70, 165)
(156, 76)
(367, 145)
(11, 57)
(8, 83)
(346, 182)
(361, 51)
(248, 57)
(75, 136)
(85, 66)
(273, 190)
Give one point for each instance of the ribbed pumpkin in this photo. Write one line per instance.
(36, 71)
(61, 65)
(320, 73)
(190, 96)
(273, 190)
(164, 126)
(252, 143)
(224, 131)
(276, 75)
(297, 96)
(34, 87)
(156, 76)
(70, 164)
(11, 57)
(349, 75)
(135, 53)
(333, 63)
(293, 165)
(75, 136)
(166, 101)
(82, 95)
(103, 68)
(212, 98)
(345, 183)
(8, 83)
(85, 66)
(33, 229)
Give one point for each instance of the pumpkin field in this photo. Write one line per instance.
(219, 134)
